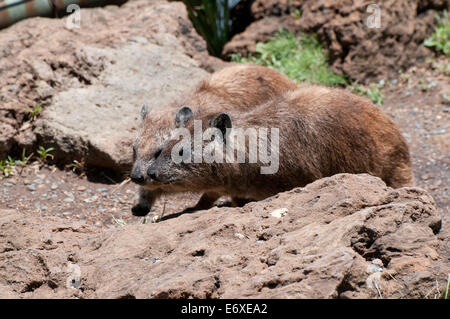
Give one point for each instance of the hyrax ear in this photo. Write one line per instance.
(222, 122)
(183, 115)
(144, 111)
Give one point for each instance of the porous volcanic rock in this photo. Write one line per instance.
(346, 236)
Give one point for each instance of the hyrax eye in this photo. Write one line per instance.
(181, 152)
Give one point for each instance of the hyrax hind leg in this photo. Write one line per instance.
(401, 176)
(239, 202)
(206, 201)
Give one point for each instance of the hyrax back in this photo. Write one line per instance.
(235, 88)
(322, 132)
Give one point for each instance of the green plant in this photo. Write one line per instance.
(403, 77)
(34, 112)
(156, 218)
(446, 289)
(6, 169)
(211, 19)
(442, 66)
(45, 153)
(24, 158)
(425, 85)
(8, 165)
(440, 38)
(301, 59)
(297, 14)
(76, 166)
(119, 221)
(374, 91)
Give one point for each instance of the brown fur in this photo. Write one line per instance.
(239, 87)
(323, 131)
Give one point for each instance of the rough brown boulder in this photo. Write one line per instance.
(342, 27)
(346, 236)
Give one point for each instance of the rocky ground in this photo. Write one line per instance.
(69, 232)
(348, 236)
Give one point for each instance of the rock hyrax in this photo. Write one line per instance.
(238, 87)
(322, 131)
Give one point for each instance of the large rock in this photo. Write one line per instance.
(342, 27)
(347, 236)
(97, 123)
(93, 80)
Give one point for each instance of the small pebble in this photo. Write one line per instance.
(32, 187)
(90, 199)
(238, 235)
(278, 213)
(438, 131)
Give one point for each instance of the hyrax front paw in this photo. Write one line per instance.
(140, 210)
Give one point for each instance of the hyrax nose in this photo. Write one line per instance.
(151, 172)
(137, 177)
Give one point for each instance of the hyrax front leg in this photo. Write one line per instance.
(145, 202)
